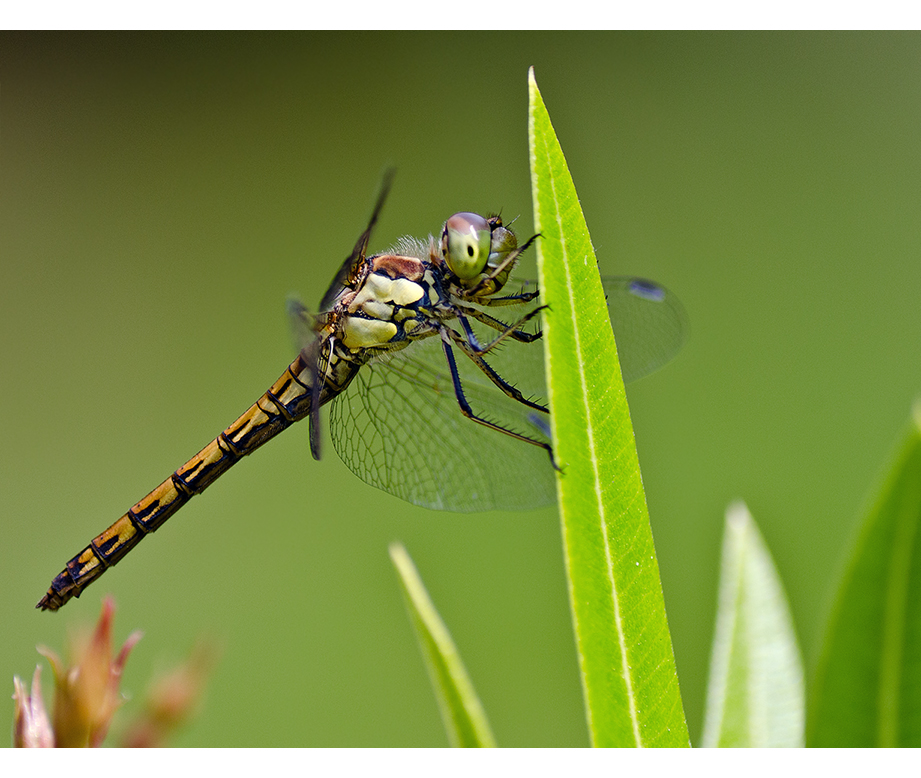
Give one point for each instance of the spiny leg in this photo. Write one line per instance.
(467, 411)
(506, 264)
(491, 374)
(512, 299)
(513, 331)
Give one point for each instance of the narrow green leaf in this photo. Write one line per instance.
(867, 689)
(463, 715)
(625, 651)
(755, 697)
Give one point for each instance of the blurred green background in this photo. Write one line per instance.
(160, 195)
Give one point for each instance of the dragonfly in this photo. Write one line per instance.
(410, 348)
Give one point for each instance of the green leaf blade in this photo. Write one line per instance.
(867, 690)
(755, 696)
(461, 711)
(625, 652)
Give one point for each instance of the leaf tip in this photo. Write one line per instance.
(398, 555)
(916, 414)
(533, 91)
(737, 515)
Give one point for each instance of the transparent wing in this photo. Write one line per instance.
(354, 260)
(649, 322)
(398, 427)
(302, 322)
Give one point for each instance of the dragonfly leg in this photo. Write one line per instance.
(512, 299)
(513, 331)
(481, 363)
(506, 265)
(467, 411)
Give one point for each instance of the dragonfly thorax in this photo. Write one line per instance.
(409, 292)
(394, 301)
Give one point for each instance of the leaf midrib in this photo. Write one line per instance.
(596, 476)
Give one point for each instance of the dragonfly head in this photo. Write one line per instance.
(466, 242)
(474, 246)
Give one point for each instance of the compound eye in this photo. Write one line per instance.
(465, 243)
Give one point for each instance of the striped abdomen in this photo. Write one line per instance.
(287, 401)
